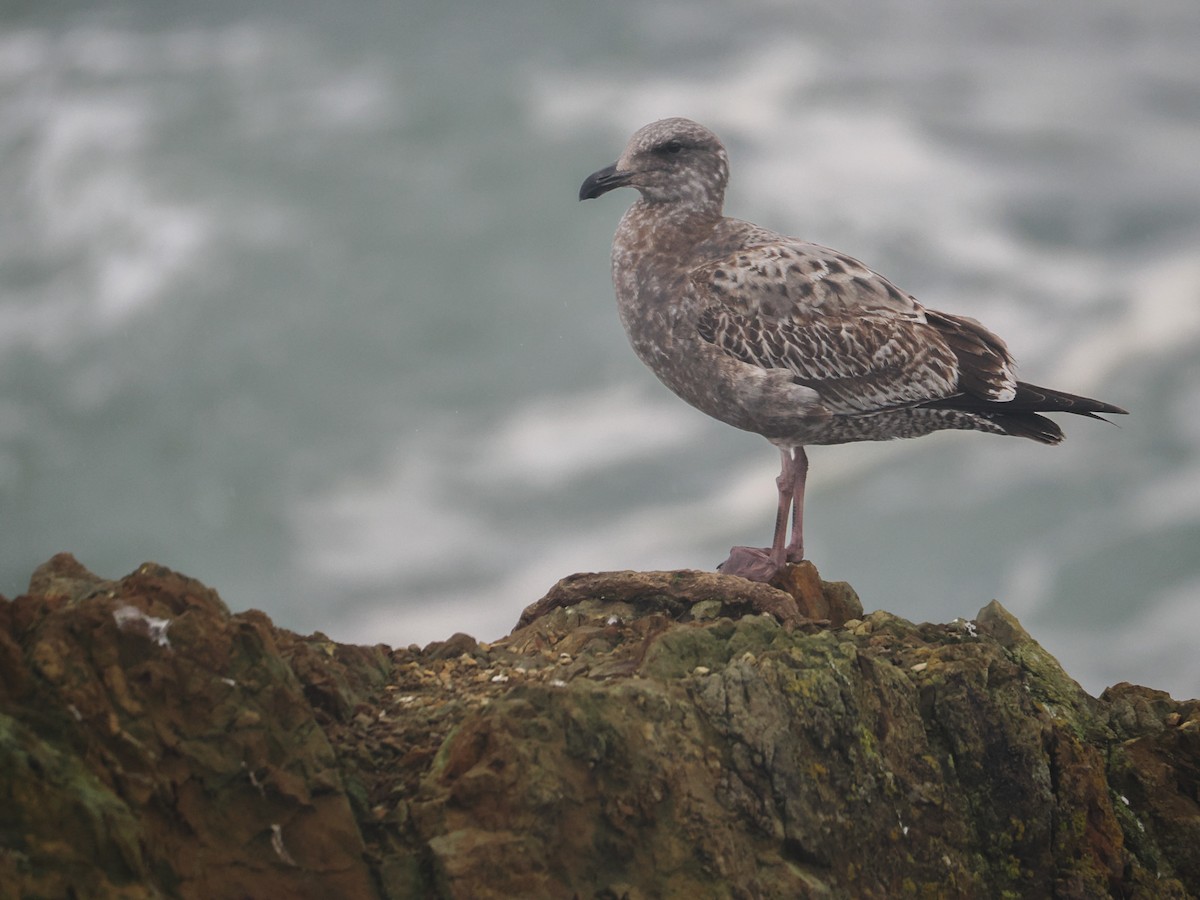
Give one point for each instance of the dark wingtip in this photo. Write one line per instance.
(1098, 406)
(1047, 400)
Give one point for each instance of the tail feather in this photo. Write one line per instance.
(1019, 416)
(1028, 425)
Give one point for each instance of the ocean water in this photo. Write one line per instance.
(298, 299)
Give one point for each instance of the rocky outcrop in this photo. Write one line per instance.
(153, 744)
(638, 735)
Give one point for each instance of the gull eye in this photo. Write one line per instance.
(669, 148)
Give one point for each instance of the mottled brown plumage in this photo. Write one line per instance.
(788, 339)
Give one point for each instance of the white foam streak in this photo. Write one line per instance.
(746, 98)
(85, 116)
(556, 439)
(400, 523)
(659, 537)
(428, 506)
(1160, 316)
(90, 210)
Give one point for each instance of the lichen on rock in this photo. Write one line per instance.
(638, 735)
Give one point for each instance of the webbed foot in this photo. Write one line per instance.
(751, 563)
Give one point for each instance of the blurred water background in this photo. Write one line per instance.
(297, 298)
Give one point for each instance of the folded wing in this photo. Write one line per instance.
(846, 332)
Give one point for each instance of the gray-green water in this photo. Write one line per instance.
(297, 299)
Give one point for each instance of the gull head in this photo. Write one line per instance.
(674, 161)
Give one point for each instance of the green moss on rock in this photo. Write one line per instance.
(639, 735)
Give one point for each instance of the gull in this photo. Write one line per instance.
(791, 340)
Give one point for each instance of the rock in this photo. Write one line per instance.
(638, 735)
(456, 645)
(190, 766)
(798, 596)
(1154, 770)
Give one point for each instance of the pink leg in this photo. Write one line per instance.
(764, 564)
(795, 547)
(786, 484)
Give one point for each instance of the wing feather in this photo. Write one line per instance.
(844, 331)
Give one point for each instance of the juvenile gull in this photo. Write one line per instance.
(791, 340)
